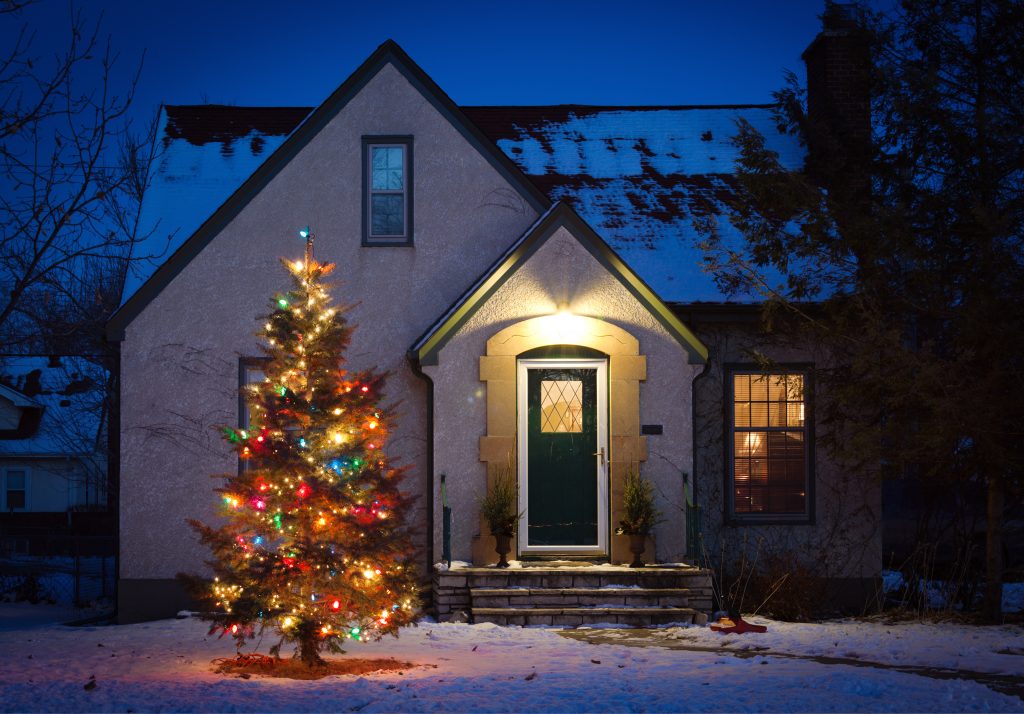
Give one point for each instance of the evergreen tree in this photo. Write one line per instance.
(314, 543)
(910, 244)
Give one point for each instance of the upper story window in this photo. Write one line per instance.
(387, 190)
(769, 473)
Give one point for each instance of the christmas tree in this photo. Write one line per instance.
(314, 543)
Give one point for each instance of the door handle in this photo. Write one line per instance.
(600, 453)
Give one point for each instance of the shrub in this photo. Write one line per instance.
(639, 513)
(498, 507)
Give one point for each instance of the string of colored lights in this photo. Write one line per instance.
(313, 543)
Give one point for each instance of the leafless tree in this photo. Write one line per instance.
(72, 175)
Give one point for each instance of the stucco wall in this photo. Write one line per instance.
(561, 271)
(180, 355)
(845, 539)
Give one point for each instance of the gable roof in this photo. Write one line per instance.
(426, 349)
(639, 175)
(387, 53)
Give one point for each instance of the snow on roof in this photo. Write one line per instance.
(70, 392)
(638, 175)
(205, 152)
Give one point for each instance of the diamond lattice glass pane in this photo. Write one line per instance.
(561, 406)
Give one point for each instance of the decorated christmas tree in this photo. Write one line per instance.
(314, 545)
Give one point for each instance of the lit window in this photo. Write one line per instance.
(769, 450)
(387, 179)
(16, 488)
(561, 406)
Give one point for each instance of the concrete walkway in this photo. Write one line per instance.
(1003, 683)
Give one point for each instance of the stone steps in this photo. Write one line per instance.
(567, 597)
(570, 596)
(576, 616)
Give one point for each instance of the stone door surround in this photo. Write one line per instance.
(626, 369)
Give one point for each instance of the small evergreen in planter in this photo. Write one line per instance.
(639, 514)
(498, 508)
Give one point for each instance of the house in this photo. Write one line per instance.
(52, 440)
(528, 276)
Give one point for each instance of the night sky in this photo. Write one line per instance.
(296, 53)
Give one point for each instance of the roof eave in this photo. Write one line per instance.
(388, 52)
(426, 349)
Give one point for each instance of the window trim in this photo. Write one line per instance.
(28, 480)
(728, 476)
(405, 141)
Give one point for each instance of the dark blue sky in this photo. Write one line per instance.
(296, 53)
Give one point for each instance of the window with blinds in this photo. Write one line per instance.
(769, 463)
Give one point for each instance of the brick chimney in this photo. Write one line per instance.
(838, 98)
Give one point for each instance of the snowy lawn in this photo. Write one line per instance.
(165, 666)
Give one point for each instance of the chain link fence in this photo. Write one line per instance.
(62, 568)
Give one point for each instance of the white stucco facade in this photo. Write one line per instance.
(180, 354)
(561, 274)
(448, 316)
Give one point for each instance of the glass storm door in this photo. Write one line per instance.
(563, 456)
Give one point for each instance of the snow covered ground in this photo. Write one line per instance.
(165, 666)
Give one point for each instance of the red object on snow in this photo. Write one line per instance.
(729, 627)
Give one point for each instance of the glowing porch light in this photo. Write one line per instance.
(564, 327)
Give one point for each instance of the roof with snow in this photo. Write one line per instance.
(638, 175)
(68, 394)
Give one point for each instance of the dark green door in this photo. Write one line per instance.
(562, 493)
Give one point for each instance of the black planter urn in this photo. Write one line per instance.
(637, 543)
(502, 546)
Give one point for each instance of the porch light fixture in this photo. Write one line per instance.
(565, 327)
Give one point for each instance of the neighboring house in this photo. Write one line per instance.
(529, 277)
(53, 446)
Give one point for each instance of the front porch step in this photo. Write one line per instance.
(584, 577)
(576, 616)
(572, 595)
(567, 597)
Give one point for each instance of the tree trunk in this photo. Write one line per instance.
(309, 646)
(993, 606)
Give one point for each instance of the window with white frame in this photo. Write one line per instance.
(769, 473)
(16, 489)
(387, 190)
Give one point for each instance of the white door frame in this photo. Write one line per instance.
(601, 474)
